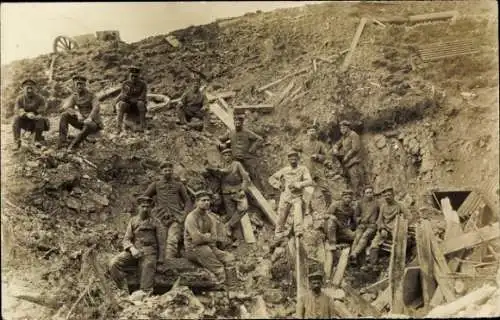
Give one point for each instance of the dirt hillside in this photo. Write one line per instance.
(424, 126)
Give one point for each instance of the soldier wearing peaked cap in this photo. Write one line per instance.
(172, 205)
(81, 110)
(192, 103)
(29, 109)
(389, 209)
(315, 303)
(132, 99)
(234, 182)
(143, 248)
(348, 149)
(244, 144)
(200, 237)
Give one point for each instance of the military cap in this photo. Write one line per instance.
(292, 152)
(203, 193)
(166, 164)
(368, 187)
(347, 193)
(315, 274)
(227, 150)
(239, 116)
(79, 79)
(387, 189)
(144, 199)
(345, 123)
(28, 82)
(134, 69)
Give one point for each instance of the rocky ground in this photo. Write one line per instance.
(424, 125)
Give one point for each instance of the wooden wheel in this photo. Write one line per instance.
(64, 44)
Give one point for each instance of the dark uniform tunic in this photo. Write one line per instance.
(339, 222)
(366, 225)
(34, 104)
(312, 306)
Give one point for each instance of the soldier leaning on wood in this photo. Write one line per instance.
(132, 99)
(81, 110)
(28, 110)
(143, 248)
(234, 183)
(191, 104)
(389, 209)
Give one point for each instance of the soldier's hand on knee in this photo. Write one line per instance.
(135, 253)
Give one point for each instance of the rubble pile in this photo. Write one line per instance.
(407, 112)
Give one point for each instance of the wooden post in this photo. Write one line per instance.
(263, 203)
(354, 43)
(246, 226)
(341, 266)
(441, 269)
(397, 264)
(425, 260)
(282, 79)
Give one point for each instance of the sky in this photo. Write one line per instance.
(29, 29)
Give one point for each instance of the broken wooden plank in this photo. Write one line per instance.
(475, 297)
(269, 93)
(425, 260)
(453, 227)
(172, 40)
(341, 266)
(378, 22)
(263, 203)
(225, 117)
(246, 226)
(471, 204)
(377, 286)
(397, 264)
(224, 95)
(471, 239)
(441, 268)
(365, 308)
(224, 103)
(304, 70)
(451, 55)
(354, 43)
(383, 299)
(315, 66)
(258, 107)
(433, 16)
(324, 59)
(294, 93)
(300, 95)
(284, 95)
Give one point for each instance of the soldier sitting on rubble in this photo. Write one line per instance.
(389, 209)
(172, 205)
(366, 223)
(200, 238)
(234, 183)
(28, 114)
(338, 226)
(315, 304)
(191, 104)
(143, 249)
(82, 111)
(132, 99)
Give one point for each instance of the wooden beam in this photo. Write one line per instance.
(397, 264)
(224, 103)
(222, 115)
(475, 297)
(224, 95)
(453, 227)
(282, 79)
(366, 309)
(246, 226)
(441, 269)
(425, 261)
(263, 203)
(284, 95)
(377, 286)
(108, 92)
(258, 107)
(433, 16)
(269, 93)
(341, 266)
(471, 239)
(354, 43)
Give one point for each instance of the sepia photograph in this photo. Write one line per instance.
(250, 160)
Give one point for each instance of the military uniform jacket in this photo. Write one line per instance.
(311, 306)
(196, 226)
(87, 104)
(35, 104)
(133, 91)
(388, 214)
(146, 235)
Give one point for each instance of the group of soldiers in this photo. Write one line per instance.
(167, 217)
